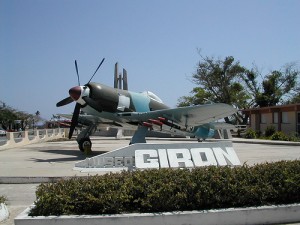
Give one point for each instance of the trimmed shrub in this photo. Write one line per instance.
(171, 190)
(250, 134)
(294, 137)
(280, 136)
(270, 130)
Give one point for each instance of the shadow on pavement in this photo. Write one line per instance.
(69, 155)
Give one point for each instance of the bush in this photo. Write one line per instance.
(270, 130)
(280, 136)
(294, 137)
(2, 199)
(172, 190)
(250, 134)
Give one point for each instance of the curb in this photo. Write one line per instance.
(280, 214)
(266, 142)
(3, 212)
(33, 180)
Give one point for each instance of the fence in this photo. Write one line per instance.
(16, 139)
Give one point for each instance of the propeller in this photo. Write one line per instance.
(65, 101)
(69, 100)
(74, 121)
(96, 70)
(75, 95)
(76, 67)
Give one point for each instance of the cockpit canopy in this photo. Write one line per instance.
(152, 96)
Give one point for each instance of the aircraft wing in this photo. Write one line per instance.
(68, 116)
(220, 125)
(87, 120)
(84, 119)
(185, 116)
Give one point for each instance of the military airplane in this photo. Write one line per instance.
(98, 105)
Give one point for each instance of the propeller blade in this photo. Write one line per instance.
(96, 70)
(94, 104)
(64, 102)
(77, 72)
(74, 119)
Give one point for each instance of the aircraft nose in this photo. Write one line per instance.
(75, 93)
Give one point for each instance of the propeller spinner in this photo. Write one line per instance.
(75, 93)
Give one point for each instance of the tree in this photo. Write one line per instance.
(198, 96)
(295, 98)
(218, 81)
(8, 116)
(279, 86)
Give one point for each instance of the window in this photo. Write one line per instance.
(152, 96)
(285, 118)
(275, 117)
(263, 118)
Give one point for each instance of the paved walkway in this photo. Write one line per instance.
(35, 163)
(57, 159)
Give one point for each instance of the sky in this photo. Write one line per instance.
(156, 41)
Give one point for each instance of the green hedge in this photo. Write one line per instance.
(172, 190)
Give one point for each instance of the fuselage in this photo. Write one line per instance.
(117, 100)
(106, 102)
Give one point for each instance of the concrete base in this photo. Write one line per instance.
(171, 155)
(253, 215)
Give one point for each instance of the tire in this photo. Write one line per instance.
(199, 140)
(83, 142)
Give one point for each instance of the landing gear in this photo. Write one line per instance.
(83, 139)
(83, 143)
(139, 135)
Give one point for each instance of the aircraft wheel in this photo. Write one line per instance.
(199, 140)
(83, 142)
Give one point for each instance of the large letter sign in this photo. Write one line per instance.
(203, 157)
(155, 156)
(146, 159)
(225, 158)
(180, 158)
